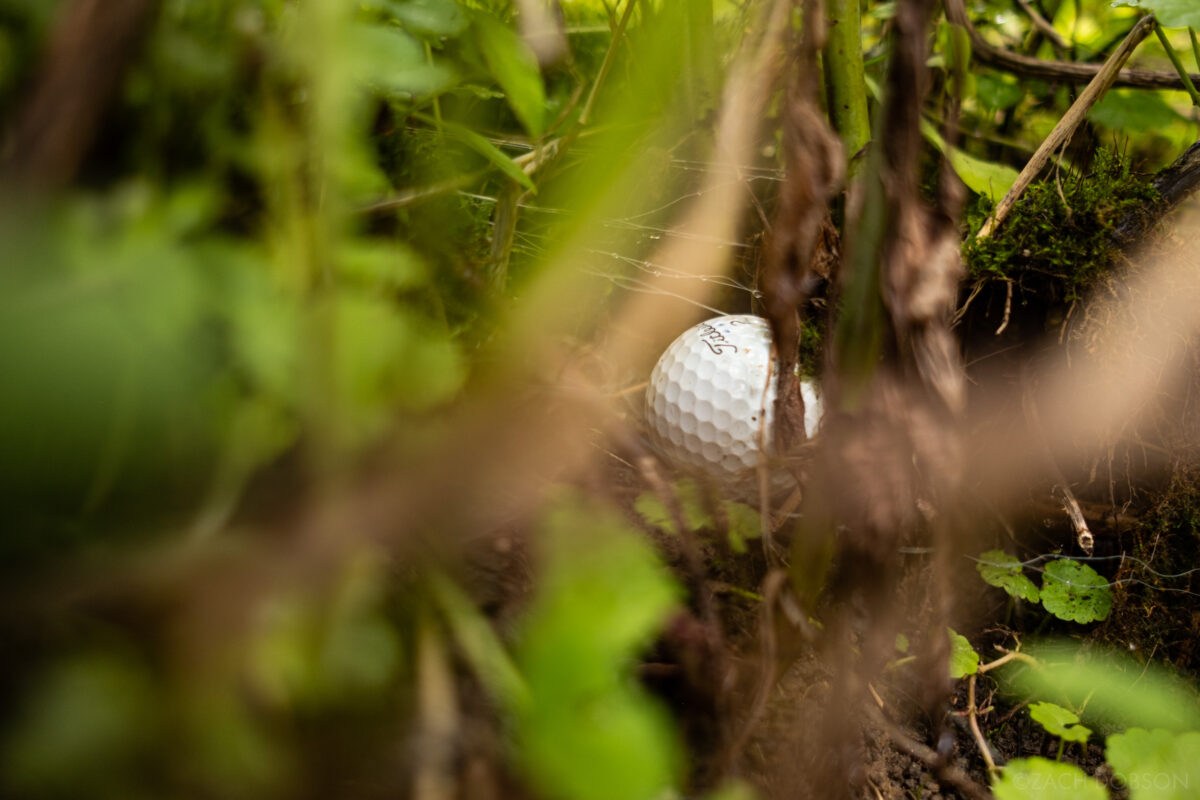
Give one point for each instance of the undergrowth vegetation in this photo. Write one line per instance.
(1064, 236)
(324, 330)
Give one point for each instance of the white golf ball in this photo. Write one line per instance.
(710, 403)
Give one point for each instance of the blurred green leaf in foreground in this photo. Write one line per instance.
(589, 732)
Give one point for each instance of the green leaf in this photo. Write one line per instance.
(1156, 765)
(963, 658)
(321, 652)
(85, 723)
(954, 45)
(1134, 110)
(1043, 779)
(388, 358)
(589, 731)
(691, 500)
(381, 263)
(982, 177)
(515, 68)
(1170, 13)
(486, 149)
(744, 524)
(1075, 592)
(691, 504)
(996, 91)
(998, 568)
(394, 63)
(1059, 722)
(654, 512)
(1117, 691)
(429, 19)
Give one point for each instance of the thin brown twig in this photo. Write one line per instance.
(973, 720)
(1007, 307)
(1012, 655)
(1066, 126)
(1043, 25)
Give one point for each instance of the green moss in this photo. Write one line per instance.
(1063, 229)
(812, 346)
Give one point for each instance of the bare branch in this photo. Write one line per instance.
(1066, 71)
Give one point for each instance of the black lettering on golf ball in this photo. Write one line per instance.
(715, 340)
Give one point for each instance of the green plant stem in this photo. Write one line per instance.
(606, 65)
(1195, 46)
(1178, 64)
(845, 79)
(859, 333)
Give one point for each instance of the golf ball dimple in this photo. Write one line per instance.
(710, 403)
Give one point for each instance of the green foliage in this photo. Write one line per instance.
(1059, 722)
(1075, 592)
(997, 90)
(1157, 764)
(588, 731)
(112, 379)
(515, 68)
(742, 522)
(998, 568)
(489, 151)
(320, 652)
(963, 658)
(86, 722)
(1062, 231)
(690, 498)
(982, 177)
(432, 20)
(1043, 779)
(1170, 13)
(1114, 690)
(1126, 110)
(1070, 590)
(480, 644)
(274, 261)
